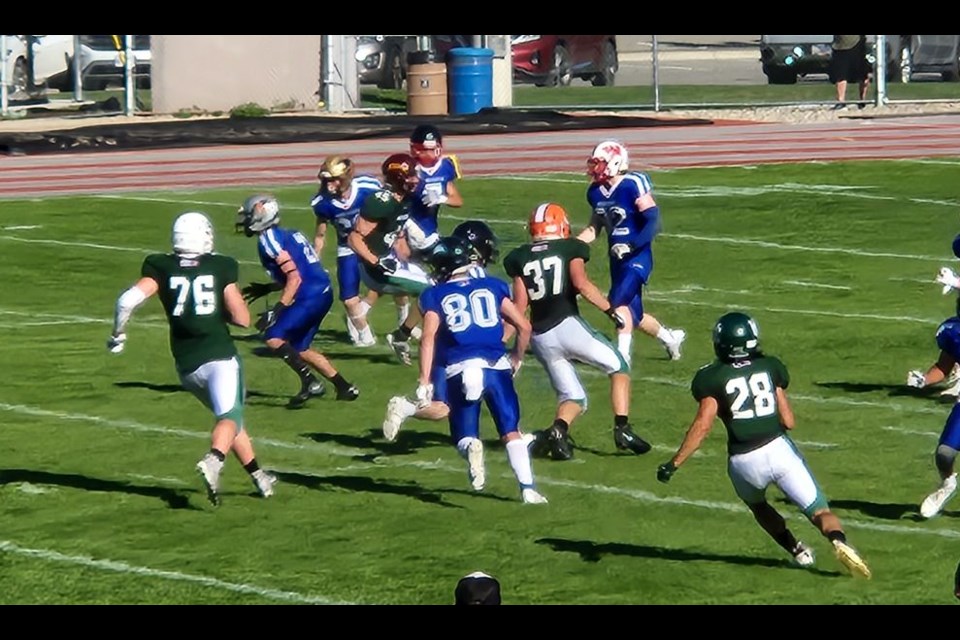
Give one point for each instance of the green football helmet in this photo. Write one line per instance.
(736, 337)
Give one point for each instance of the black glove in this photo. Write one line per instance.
(388, 265)
(666, 471)
(256, 290)
(618, 320)
(269, 318)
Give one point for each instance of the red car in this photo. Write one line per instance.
(552, 61)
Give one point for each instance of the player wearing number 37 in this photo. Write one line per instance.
(746, 389)
(198, 290)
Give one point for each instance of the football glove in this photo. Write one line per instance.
(617, 319)
(424, 395)
(388, 265)
(916, 379)
(621, 250)
(256, 290)
(948, 279)
(666, 471)
(116, 343)
(269, 318)
(433, 199)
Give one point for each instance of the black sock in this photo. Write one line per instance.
(252, 467)
(219, 455)
(786, 540)
(340, 382)
(403, 330)
(837, 535)
(295, 362)
(620, 421)
(562, 425)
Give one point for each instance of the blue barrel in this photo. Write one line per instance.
(469, 79)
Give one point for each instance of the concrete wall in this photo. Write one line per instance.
(217, 73)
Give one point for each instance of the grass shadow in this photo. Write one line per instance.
(177, 388)
(174, 498)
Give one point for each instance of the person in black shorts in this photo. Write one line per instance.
(848, 63)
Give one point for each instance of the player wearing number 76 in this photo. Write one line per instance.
(746, 389)
(198, 290)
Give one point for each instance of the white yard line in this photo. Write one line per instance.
(817, 285)
(122, 567)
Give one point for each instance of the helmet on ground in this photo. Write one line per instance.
(258, 213)
(609, 159)
(548, 221)
(481, 238)
(399, 173)
(426, 144)
(451, 255)
(336, 174)
(736, 337)
(192, 234)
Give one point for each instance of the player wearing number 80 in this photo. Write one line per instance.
(463, 329)
(747, 390)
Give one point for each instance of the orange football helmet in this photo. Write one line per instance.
(548, 221)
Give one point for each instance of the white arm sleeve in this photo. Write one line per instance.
(127, 303)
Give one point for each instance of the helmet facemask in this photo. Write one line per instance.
(258, 213)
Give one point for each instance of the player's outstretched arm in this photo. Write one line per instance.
(581, 281)
(512, 315)
(936, 373)
(126, 304)
(238, 313)
(786, 411)
(697, 432)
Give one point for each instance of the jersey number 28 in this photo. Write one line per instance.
(757, 392)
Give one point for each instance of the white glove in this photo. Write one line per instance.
(424, 395)
(116, 343)
(432, 198)
(620, 250)
(916, 379)
(948, 279)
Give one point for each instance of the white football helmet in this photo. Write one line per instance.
(259, 212)
(609, 158)
(192, 234)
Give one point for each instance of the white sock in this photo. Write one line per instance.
(364, 307)
(519, 457)
(407, 409)
(403, 310)
(664, 335)
(464, 444)
(366, 334)
(624, 344)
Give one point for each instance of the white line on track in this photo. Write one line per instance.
(123, 567)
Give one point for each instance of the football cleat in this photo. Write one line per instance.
(476, 470)
(400, 347)
(394, 418)
(673, 346)
(803, 555)
(934, 502)
(314, 389)
(349, 394)
(536, 443)
(561, 446)
(532, 496)
(209, 469)
(625, 438)
(264, 482)
(849, 558)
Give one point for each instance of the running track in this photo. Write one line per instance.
(724, 143)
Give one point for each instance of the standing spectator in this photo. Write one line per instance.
(848, 63)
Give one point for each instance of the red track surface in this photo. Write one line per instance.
(719, 144)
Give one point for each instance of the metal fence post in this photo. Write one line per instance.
(129, 81)
(881, 70)
(4, 98)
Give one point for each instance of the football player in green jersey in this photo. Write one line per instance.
(747, 391)
(199, 293)
(548, 275)
(379, 239)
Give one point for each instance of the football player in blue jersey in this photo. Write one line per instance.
(485, 246)
(951, 284)
(463, 325)
(622, 204)
(338, 203)
(438, 174)
(948, 340)
(305, 298)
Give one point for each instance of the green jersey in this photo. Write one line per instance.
(389, 214)
(191, 291)
(746, 391)
(545, 269)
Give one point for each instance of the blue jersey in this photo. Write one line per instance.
(433, 179)
(615, 210)
(342, 211)
(470, 322)
(314, 278)
(948, 337)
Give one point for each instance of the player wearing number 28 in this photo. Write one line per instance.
(747, 391)
(198, 290)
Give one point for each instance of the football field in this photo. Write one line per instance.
(100, 502)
